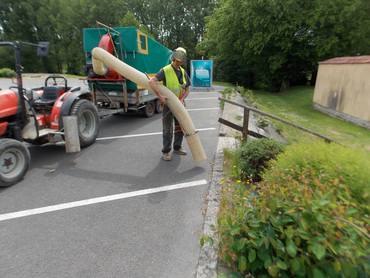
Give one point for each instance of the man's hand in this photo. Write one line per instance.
(153, 83)
(184, 93)
(162, 99)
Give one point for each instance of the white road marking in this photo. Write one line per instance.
(109, 198)
(203, 109)
(201, 98)
(144, 134)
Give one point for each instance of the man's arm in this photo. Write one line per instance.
(153, 83)
(184, 94)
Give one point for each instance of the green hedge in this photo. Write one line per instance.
(309, 217)
(6, 72)
(253, 157)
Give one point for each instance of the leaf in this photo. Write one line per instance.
(206, 239)
(296, 265)
(291, 248)
(240, 244)
(267, 263)
(289, 232)
(235, 231)
(263, 254)
(282, 265)
(337, 266)
(273, 270)
(242, 264)
(251, 255)
(317, 273)
(318, 250)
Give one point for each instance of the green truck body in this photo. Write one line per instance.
(132, 47)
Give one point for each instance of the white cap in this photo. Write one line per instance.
(179, 54)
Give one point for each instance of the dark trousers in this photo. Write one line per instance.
(168, 121)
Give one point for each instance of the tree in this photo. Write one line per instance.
(173, 23)
(130, 20)
(271, 44)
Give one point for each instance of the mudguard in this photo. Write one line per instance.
(69, 99)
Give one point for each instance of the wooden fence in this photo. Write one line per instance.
(245, 128)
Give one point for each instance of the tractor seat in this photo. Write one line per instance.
(49, 96)
(52, 93)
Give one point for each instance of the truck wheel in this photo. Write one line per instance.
(14, 161)
(158, 107)
(149, 109)
(87, 121)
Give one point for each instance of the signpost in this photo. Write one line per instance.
(201, 72)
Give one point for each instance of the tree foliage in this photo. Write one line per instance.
(173, 23)
(271, 44)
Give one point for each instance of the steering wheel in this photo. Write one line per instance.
(55, 78)
(16, 87)
(26, 93)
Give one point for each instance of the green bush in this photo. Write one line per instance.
(6, 72)
(309, 217)
(326, 162)
(253, 157)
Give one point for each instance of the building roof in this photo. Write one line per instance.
(348, 60)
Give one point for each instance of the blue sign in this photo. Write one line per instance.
(201, 73)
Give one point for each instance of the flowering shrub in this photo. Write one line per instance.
(308, 217)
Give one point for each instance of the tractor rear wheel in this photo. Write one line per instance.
(87, 121)
(14, 161)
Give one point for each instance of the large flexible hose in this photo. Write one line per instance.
(102, 58)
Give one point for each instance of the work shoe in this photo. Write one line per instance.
(180, 151)
(166, 156)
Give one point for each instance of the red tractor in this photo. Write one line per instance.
(36, 117)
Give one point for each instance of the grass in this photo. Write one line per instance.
(296, 106)
(224, 84)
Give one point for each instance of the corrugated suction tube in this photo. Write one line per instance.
(102, 59)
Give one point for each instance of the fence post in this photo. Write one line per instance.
(245, 123)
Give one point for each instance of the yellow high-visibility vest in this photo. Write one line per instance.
(172, 81)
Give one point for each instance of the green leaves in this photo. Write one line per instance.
(173, 23)
(304, 219)
(318, 250)
(242, 266)
(266, 44)
(291, 248)
(252, 255)
(317, 273)
(206, 239)
(282, 265)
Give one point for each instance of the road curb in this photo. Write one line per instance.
(208, 257)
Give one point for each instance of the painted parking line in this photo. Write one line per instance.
(201, 98)
(144, 134)
(203, 109)
(109, 198)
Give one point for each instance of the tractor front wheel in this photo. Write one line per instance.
(14, 161)
(87, 121)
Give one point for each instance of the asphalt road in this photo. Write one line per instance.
(148, 231)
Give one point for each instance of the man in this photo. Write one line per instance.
(175, 78)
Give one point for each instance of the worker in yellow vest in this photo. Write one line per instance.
(175, 78)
